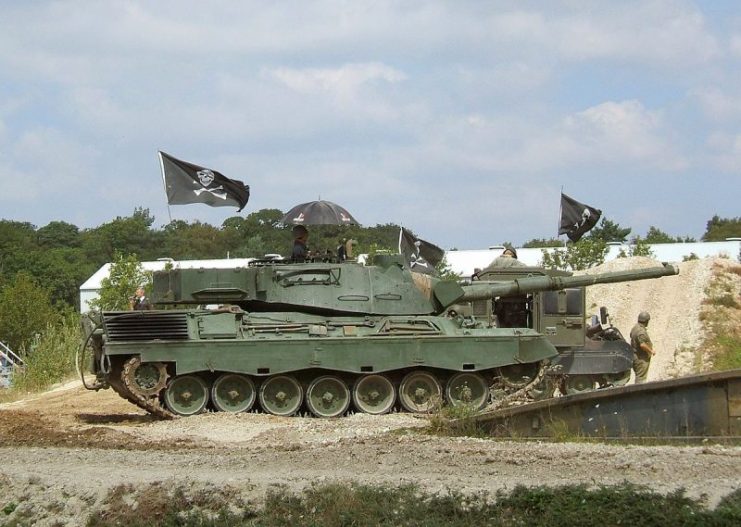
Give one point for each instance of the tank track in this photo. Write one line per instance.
(120, 381)
(519, 396)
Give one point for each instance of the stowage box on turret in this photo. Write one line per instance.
(322, 336)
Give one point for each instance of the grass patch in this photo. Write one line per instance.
(361, 505)
(456, 421)
(727, 352)
(721, 314)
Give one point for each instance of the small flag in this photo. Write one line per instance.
(188, 183)
(576, 218)
(421, 256)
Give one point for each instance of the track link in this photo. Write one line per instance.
(121, 384)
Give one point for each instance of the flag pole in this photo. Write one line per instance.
(164, 183)
(560, 212)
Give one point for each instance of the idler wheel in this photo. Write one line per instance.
(574, 384)
(233, 393)
(327, 396)
(186, 395)
(281, 395)
(420, 392)
(146, 378)
(374, 394)
(518, 375)
(467, 389)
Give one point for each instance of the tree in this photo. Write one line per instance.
(583, 254)
(57, 234)
(609, 231)
(25, 311)
(124, 276)
(542, 242)
(193, 241)
(718, 229)
(656, 235)
(128, 235)
(641, 247)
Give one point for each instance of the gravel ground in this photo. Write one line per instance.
(64, 450)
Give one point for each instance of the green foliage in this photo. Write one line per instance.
(609, 231)
(585, 253)
(444, 271)
(338, 504)
(718, 229)
(690, 257)
(450, 420)
(727, 352)
(128, 235)
(656, 235)
(193, 241)
(641, 247)
(25, 310)
(124, 276)
(543, 242)
(53, 355)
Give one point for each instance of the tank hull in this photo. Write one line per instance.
(258, 347)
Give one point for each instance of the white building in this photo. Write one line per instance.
(89, 289)
(462, 263)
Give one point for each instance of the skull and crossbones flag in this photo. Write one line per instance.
(188, 183)
(420, 255)
(576, 218)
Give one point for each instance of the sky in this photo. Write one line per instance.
(461, 120)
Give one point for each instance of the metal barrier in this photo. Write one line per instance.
(9, 362)
(698, 406)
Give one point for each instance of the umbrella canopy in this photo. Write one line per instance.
(319, 213)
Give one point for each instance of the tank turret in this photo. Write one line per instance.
(351, 288)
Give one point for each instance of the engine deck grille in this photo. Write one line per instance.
(145, 325)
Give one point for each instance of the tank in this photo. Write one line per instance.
(324, 337)
(592, 353)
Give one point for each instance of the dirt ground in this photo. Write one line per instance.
(69, 447)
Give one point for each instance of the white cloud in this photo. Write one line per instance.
(725, 152)
(615, 131)
(664, 32)
(43, 162)
(735, 44)
(718, 105)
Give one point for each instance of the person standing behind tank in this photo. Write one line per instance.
(643, 348)
(299, 252)
(140, 302)
(508, 258)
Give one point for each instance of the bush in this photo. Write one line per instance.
(340, 504)
(51, 358)
(586, 253)
(25, 311)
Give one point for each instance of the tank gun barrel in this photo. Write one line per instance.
(534, 284)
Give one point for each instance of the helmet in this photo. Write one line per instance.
(643, 317)
(511, 250)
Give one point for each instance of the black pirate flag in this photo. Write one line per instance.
(188, 183)
(421, 256)
(576, 218)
